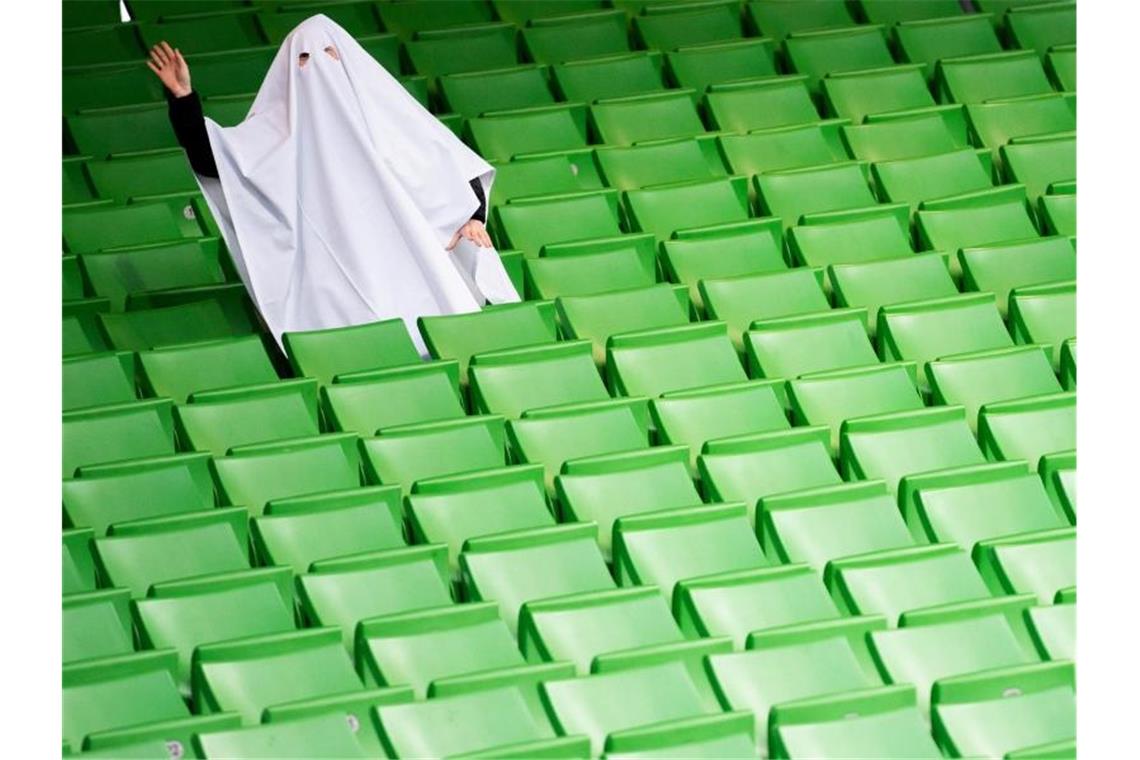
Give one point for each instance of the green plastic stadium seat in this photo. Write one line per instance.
(216, 421)
(529, 225)
(1001, 268)
(792, 346)
(794, 663)
(366, 402)
(1069, 364)
(1039, 163)
(675, 545)
(1044, 314)
(609, 77)
(1043, 28)
(655, 362)
(113, 433)
(973, 380)
(893, 446)
(855, 95)
(779, 19)
(639, 118)
(118, 274)
(724, 735)
(689, 25)
(749, 248)
(250, 674)
(205, 32)
(1061, 65)
(98, 380)
(834, 51)
(480, 47)
(295, 532)
(83, 331)
(1028, 428)
(956, 506)
(178, 372)
(120, 691)
(752, 468)
(699, 66)
(236, 71)
(926, 330)
(913, 180)
(540, 175)
(664, 210)
(588, 274)
(475, 93)
(93, 229)
(416, 648)
(829, 398)
(408, 18)
(210, 314)
(408, 453)
(781, 148)
(721, 411)
(1058, 214)
(322, 735)
(736, 604)
(950, 225)
(89, 13)
(821, 524)
(996, 123)
(890, 12)
(873, 284)
(921, 135)
(109, 85)
(929, 41)
(75, 287)
(123, 178)
(979, 78)
(461, 336)
(553, 436)
(739, 301)
(893, 582)
(1054, 629)
(521, 566)
(181, 615)
(998, 712)
(357, 18)
(880, 723)
(598, 317)
(577, 36)
(98, 624)
(791, 194)
(602, 489)
(138, 489)
(851, 237)
(775, 102)
(1059, 471)
(522, 11)
(579, 627)
(141, 553)
(343, 591)
(450, 510)
(106, 43)
(251, 476)
(324, 354)
(78, 564)
(77, 186)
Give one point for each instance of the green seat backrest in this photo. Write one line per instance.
(834, 51)
(775, 102)
(1061, 65)
(502, 136)
(452, 509)
(677, 544)
(456, 51)
(180, 371)
(528, 226)
(402, 455)
(1044, 314)
(98, 380)
(235, 71)
(324, 354)
(778, 20)
(658, 163)
(416, 648)
(297, 531)
(792, 346)
(89, 13)
(693, 25)
(121, 129)
(343, 591)
(589, 274)
(589, 35)
(874, 284)
(141, 553)
(792, 193)
(664, 210)
(973, 380)
(475, 93)
(751, 468)
(536, 176)
(217, 421)
(254, 475)
(859, 94)
(950, 227)
(598, 317)
(996, 123)
(699, 66)
(1038, 164)
(749, 248)
(913, 180)
(999, 269)
(654, 362)
(97, 624)
(605, 488)
(931, 40)
(842, 238)
(1054, 630)
(522, 11)
(1041, 563)
(979, 78)
(356, 18)
(579, 627)
(106, 43)
(926, 330)
(117, 692)
(407, 20)
(521, 566)
(76, 183)
(370, 401)
(211, 318)
(740, 301)
(624, 121)
(512, 382)
(94, 229)
(462, 336)
(118, 274)
(889, 12)
(1028, 428)
(780, 148)
(138, 489)
(326, 735)
(124, 177)
(921, 135)
(892, 582)
(78, 563)
(1042, 29)
(829, 398)
(893, 446)
(114, 433)
(610, 77)
(205, 32)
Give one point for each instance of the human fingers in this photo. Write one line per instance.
(167, 49)
(160, 53)
(156, 56)
(154, 68)
(179, 59)
(484, 238)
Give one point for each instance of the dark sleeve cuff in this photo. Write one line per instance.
(481, 212)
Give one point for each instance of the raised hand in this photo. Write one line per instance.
(171, 68)
(474, 231)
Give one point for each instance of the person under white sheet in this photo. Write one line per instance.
(342, 200)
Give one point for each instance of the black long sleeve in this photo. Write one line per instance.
(190, 129)
(481, 212)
